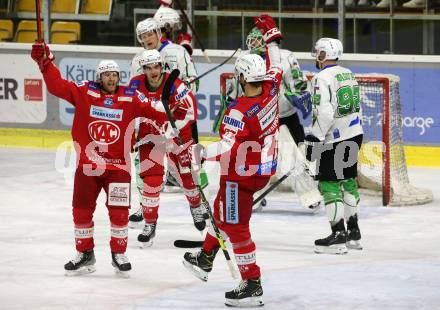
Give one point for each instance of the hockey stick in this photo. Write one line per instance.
(39, 34)
(38, 16)
(202, 47)
(216, 67)
(165, 101)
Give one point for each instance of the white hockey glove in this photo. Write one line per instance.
(198, 155)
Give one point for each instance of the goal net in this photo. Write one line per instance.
(382, 168)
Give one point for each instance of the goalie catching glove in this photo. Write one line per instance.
(268, 28)
(42, 55)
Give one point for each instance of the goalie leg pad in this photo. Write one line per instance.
(308, 193)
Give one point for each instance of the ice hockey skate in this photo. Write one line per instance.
(335, 243)
(199, 263)
(146, 237)
(353, 234)
(249, 293)
(199, 216)
(83, 263)
(121, 264)
(136, 219)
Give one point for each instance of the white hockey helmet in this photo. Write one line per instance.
(149, 57)
(252, 66)
(332, 47)
(147, 25)
(106, 65)
(168, 18)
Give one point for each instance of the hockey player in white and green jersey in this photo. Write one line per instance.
(334, 142)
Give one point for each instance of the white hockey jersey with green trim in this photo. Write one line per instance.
(337, 110)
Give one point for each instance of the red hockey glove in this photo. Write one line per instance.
(268, 28)
(42, 55)
(179, 111)
(166, 3)
(185, 39)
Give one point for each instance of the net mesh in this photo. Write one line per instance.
(373, 88)
(381, 170)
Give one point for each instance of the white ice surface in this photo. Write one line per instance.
(399, 267)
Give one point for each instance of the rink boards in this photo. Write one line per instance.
(44, 120)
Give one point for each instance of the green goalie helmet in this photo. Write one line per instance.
(255, 42)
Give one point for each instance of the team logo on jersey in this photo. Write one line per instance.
(229, 121)
(105, 113)
(104, 132)
(108, 101)
(253, 110)
(232, 202)
(80, 83)
(135, 84)
(130, 91)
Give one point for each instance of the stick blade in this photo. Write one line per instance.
(188, 244)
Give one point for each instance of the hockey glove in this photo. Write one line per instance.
(184, 39)
(311, 143)
(166, 3)
(198, 155)
(302, 101)
(41, 55)
(268, 28)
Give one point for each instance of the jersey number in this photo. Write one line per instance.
(348, 100)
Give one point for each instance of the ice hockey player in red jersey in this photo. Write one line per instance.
(151, 84)
(247, 153)
(102, 139)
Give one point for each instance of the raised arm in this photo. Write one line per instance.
(56, 85)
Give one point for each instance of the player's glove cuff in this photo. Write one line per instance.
(272, 35)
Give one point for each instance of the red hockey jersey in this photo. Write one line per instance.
(180, 95)
(249, 134)
(103, 124)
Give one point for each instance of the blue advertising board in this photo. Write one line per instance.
(419, 91)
